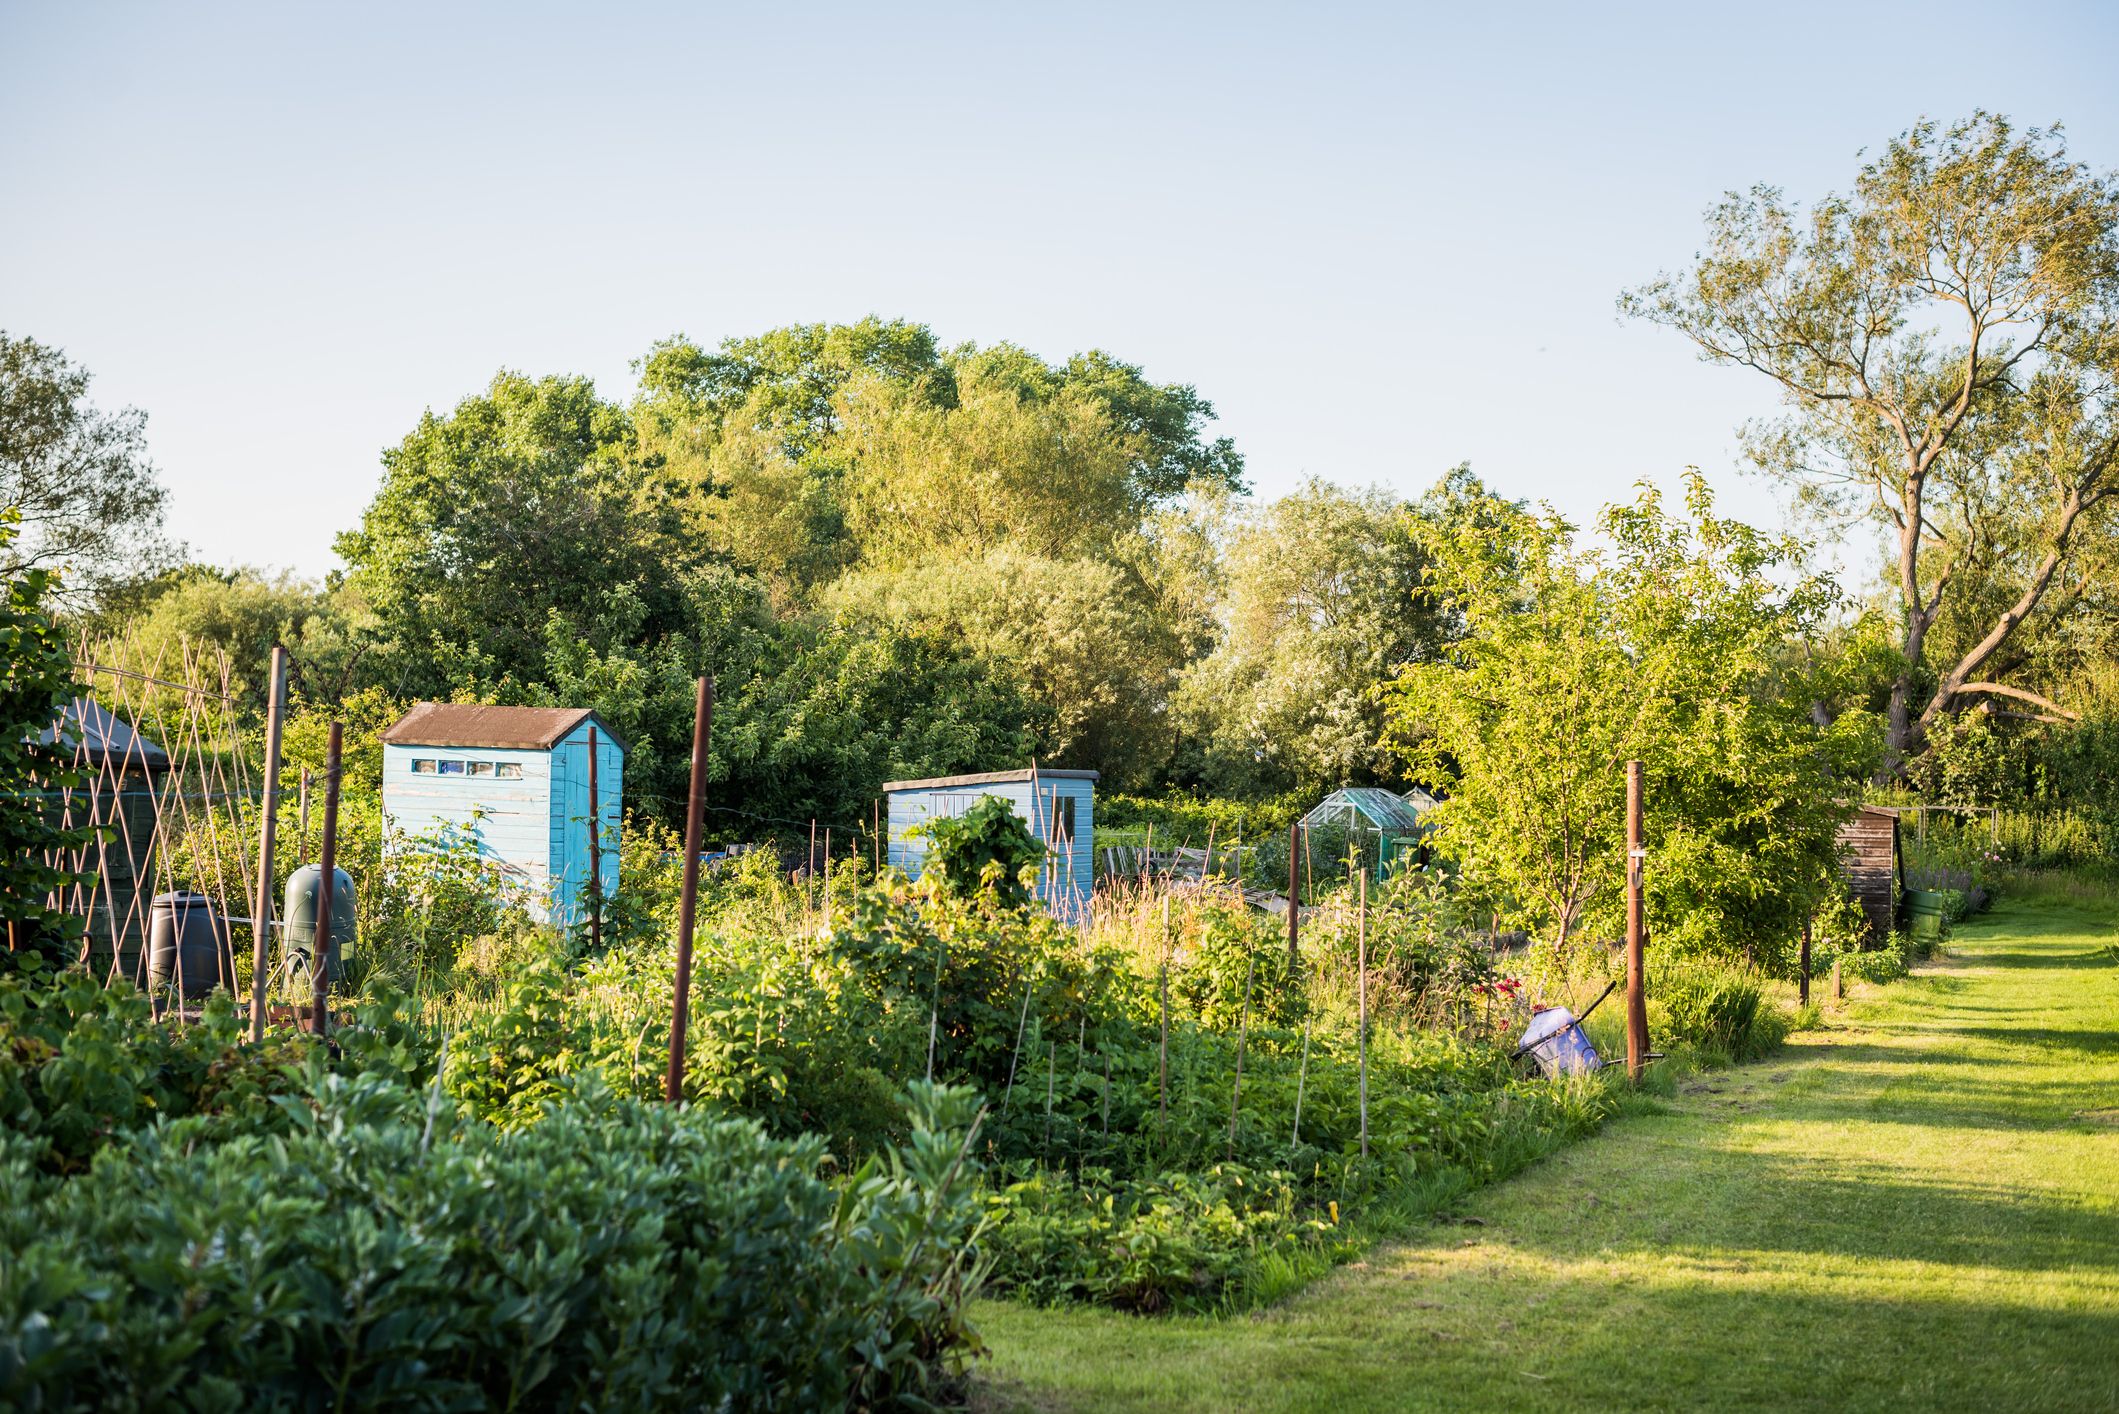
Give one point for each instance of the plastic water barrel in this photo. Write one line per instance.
(303, 887)
(187, 945)
(1558, 1045)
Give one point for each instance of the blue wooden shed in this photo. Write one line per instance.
(1059, 806)
(516, 781)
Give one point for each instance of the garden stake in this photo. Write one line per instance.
(1022, 1022)
(1051, 1064)
(1163, 1091)
(1294, 907)
(320, 946)
(302, 848)
(1302, 1077)
(261, 916)
(688, 900)
(875, 834)
(1839, 988)
(1361, 992)
(1802, 974)
(809, 871)
(1243, 1028)
(1636, 930)
(595, 854)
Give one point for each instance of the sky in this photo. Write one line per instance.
(1382, 240)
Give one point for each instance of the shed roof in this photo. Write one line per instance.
(1388, 812)
(989, 778)
(471, 724)
(87, 726)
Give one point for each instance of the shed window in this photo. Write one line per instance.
(508, 770)
(452, 768)
(481, 768)
(1063, 818)
(422, 765)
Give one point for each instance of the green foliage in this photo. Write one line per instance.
(78, 477)
(1677, 647)
(1712, 1007)
(391, 1254)
(36, 684)
(1946, 334)
(1191, 821)
(988, 851)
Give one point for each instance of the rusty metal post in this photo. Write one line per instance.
(1802, 969)
(595, 851)
(688, 902)
(261, 914)
(1294, 901)
(1636, 930)
(326, 886)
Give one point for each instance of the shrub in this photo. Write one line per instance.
(382, 1251)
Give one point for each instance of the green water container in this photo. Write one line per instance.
(303, 887)
(1928, 913)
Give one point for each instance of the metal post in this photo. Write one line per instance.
(1802, 970)
(688, 901)
(261, 915)
(595, 852)
(326, 885)
(1294, 900)
(1361, 991)
(1636, 930)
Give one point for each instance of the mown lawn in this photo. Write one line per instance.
(1916, 1206)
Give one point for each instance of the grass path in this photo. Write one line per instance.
(1916, 1206)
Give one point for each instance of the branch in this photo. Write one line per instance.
(2002, 689)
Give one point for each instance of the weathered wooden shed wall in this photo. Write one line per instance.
(1870, 861)
(1059, 806)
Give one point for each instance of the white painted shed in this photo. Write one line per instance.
(515, 780)
(1058, 805)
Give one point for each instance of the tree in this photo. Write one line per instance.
(88, 498)
(529, 499)
(1323, 600)
(813, 447)
(1673, 646)
(1947, 339)
(36, 683)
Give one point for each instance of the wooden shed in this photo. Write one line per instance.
(516, 781)
(1059, 806)
(1870, 859)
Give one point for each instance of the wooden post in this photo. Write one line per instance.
(1636, 928)
(1802, 969)
(326, 885)
(688, 900)
(261, 915)
(1361, 992)
(1294, 901)
(1839, 987)
(827, 877)
(1162, 1108)
(595, 853)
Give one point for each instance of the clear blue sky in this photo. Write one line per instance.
(1383, 240)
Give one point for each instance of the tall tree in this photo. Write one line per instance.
(89, 501)
(1669, 644)
(1947, 339)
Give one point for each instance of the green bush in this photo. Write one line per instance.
(381, 1251)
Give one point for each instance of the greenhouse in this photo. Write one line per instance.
(1382, 826)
